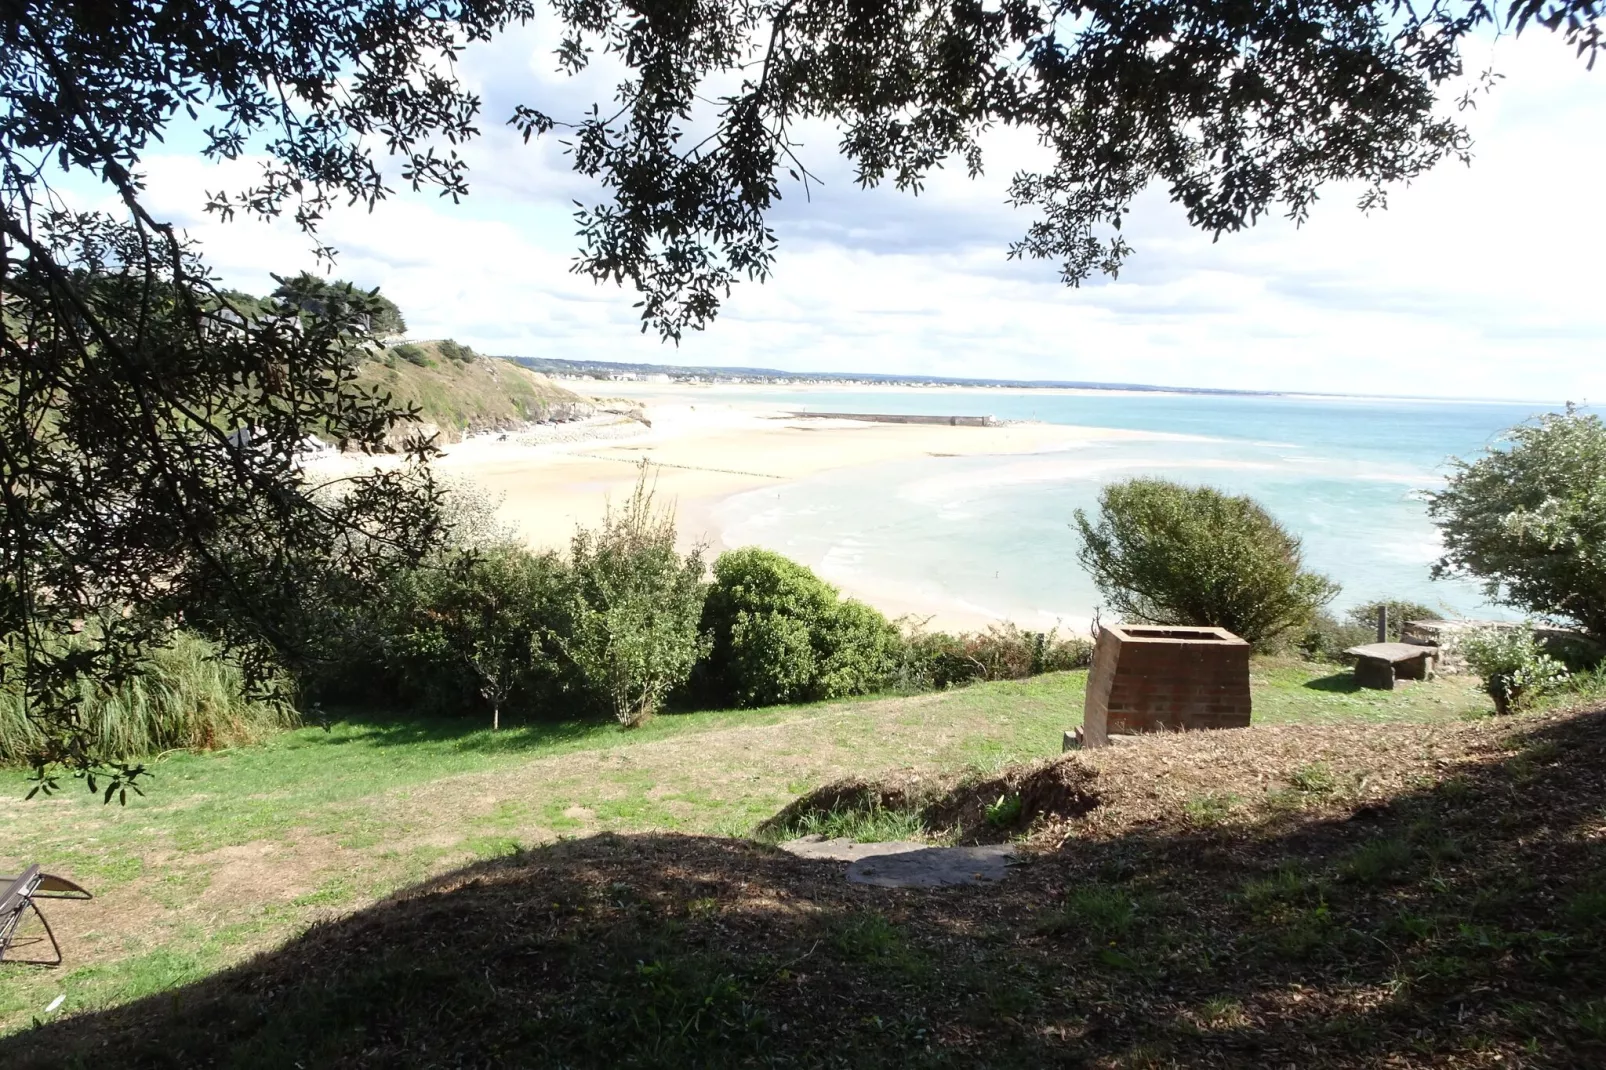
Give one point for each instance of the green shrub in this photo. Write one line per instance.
(463, 633)
(633, 608)
(184, 696)
(1163, 553)
(1529, 520)
(1326, 637)
(453, 350)
(472, 632)
(1003, 652)
(781, 634)
(1365, 616)
(1514, 666)
(412, 354)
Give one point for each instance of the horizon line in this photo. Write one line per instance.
(1052, 384)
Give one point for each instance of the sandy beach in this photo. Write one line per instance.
(700, 453)
(701, 449)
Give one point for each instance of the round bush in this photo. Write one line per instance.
(782, 634)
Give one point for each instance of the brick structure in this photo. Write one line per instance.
(1159, 679)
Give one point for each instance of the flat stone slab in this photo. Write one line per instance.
(1392, 652)
(902, 864)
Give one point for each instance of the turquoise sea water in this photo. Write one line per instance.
(992, 535)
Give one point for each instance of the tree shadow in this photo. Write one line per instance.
(1461, 920)
(388, 728)
(1342, 683)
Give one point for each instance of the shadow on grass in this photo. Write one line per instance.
(388, 729)
(1342, 683)
(1461, 922)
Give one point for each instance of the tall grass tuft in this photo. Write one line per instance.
(185, 698)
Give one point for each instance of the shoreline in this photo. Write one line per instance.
(702, 451)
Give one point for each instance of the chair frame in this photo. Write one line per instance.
(18, 897)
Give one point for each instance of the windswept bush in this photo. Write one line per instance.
(633, 608)
(781, 634)
(412, 354)
(183, 696)
(1164, 553)
(454, 350)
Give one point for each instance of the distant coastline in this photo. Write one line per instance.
(623, 371)
(619, 371)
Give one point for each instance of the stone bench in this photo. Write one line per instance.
(1378, 665)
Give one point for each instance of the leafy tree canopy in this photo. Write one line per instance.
(308, 293)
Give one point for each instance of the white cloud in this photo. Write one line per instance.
(1476, 282)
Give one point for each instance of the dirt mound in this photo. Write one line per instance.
(995, 808)
(963, 809)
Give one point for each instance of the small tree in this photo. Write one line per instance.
(1529, 519)
(485, 613)
(634, 607)
(1163, 553)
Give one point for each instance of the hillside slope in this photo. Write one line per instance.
(461, 397)
(1345, 894)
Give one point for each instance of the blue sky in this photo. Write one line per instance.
(1476, 282)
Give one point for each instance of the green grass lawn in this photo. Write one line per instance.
(234, 851)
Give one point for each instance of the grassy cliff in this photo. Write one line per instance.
(460, 392)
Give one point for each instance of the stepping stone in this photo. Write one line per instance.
(901, 864)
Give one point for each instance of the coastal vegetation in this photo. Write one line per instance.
(157, 429)
(1514, 665)
(780, 634)
(1528, 519)
(1164, 553)
(1328, 636)
(634, 606)
(1388, 878)
(456, 397)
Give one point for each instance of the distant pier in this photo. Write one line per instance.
(902, 418)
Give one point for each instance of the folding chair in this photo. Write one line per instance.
(18, 898)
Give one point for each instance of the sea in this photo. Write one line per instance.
(993, 536)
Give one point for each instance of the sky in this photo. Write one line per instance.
(1479, 281)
